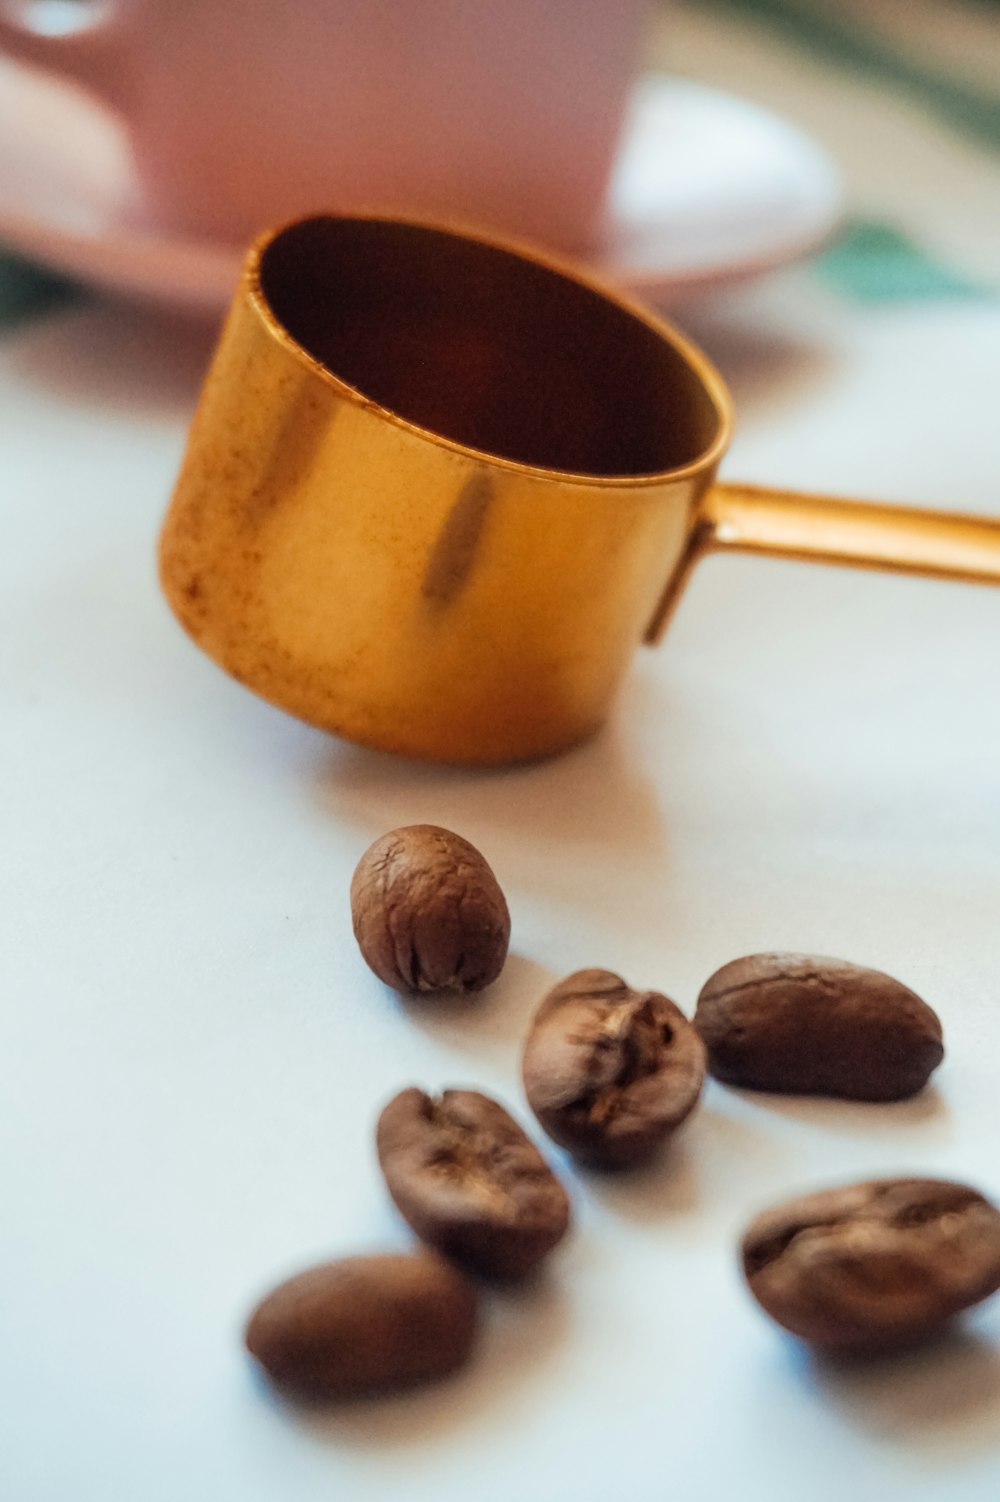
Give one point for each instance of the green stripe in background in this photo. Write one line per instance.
(874, 262)
(816, 26)
(27, 291)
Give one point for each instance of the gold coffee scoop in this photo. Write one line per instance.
(438, 489)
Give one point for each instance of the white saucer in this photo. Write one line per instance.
(707, 189)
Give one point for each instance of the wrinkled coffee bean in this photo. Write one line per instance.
(610, 1072)
(428, 912)
(808, 1025)
(873, 1265)
(364, 1324)
(469, 1182)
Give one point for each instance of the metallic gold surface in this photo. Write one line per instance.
(406, 590)
(824, 529)
(437, 491)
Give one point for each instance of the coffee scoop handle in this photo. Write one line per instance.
(823, 529)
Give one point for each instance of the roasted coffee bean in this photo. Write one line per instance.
(365, 1324)
(873, 1265)
(808, 1025)
(428, 912)
(469, 1181)
(610, 1072)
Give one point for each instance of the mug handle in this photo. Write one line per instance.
(824, 529)
(88, 53)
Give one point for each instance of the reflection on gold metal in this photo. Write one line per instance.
(437, 490)
(823, 529)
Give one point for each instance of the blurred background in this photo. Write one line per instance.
(905, 95)
(902, 97)
(810, 188)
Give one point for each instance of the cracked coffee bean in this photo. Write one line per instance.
(470, 1182)
(808, 1025)
(611, 1072)
(428, 912)
(365, 1325)
(873, 1265)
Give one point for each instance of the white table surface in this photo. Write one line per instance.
(192, 1052)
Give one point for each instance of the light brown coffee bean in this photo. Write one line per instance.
(873, 1265)
(809, 1025)
(428, 912)
(611, 1072)
(364, 1324)
(470, 1182)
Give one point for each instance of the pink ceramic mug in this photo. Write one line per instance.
(503, 114)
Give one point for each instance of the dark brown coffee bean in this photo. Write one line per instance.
(428, 912)
(469, 1181)
(610, 1072)
(808, 1025)
(365, 1324)
(873, 1265)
